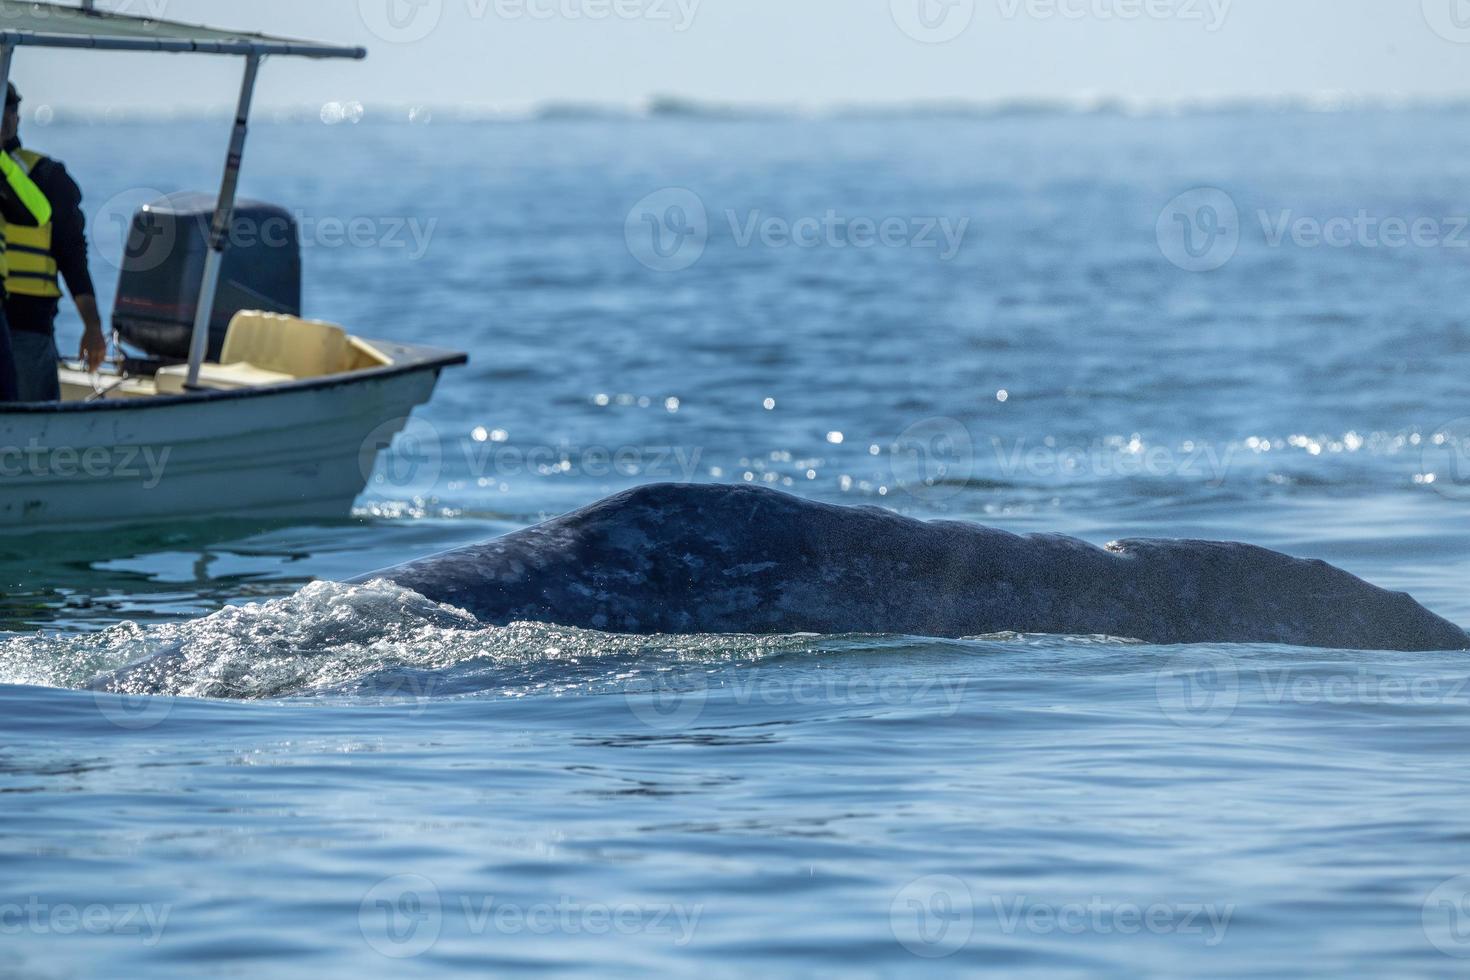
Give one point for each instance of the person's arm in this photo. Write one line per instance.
(69, 247)
(93, 349)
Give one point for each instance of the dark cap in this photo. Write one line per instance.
(12, 97)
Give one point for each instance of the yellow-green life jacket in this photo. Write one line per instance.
(26, 262)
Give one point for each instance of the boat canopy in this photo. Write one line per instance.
(54, 25)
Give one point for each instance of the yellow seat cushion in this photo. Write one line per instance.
(221, 377)
(285, 344)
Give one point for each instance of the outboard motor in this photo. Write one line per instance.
(163, 265)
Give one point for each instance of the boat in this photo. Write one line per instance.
(236, 406)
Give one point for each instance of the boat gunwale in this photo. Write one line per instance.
(419, 359)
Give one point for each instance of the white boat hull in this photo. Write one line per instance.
(289, 452)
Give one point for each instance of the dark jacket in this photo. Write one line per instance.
(69, 242)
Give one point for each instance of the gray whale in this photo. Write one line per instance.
(741, 559)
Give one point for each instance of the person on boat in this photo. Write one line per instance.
(45, 241)
(8, 390)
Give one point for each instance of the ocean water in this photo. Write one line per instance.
(1237, 324)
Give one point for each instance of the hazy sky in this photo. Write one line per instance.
(514, 52)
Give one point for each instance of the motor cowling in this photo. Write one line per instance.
(163, 269)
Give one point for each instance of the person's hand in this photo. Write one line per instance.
(94, 348)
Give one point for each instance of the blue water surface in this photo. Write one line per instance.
(1118, 339)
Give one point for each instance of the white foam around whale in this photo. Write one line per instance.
(332, 637)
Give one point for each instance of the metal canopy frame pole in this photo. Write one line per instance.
(176, 45)
(7, 54)
(219, 232)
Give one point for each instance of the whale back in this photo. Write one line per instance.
(680, 559)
